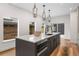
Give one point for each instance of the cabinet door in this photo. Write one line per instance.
(49, 46)
(61, 28)
(58, 40)
(52, 43)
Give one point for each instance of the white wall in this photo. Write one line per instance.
(74, 20)
(78, 28)
(66, 20)
(1, 29)
(24, 18)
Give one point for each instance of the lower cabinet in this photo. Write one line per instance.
(42, 48)
(53, 43)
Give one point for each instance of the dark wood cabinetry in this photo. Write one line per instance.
(41, 48)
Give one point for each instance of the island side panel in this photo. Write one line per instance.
(24, 48)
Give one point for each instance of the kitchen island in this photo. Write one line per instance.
(30, 45)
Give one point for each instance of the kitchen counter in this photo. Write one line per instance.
(30, 45)
(34, 39)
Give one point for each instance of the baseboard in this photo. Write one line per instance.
(7, 45)
(2, 52)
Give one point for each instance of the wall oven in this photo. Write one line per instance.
(10, 28)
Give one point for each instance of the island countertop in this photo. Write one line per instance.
(35, 39)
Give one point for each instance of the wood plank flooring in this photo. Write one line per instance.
(66, 48)
(10, 52)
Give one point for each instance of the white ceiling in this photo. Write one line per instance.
(57, 9)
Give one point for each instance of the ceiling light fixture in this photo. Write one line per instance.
(44, 14)
(35, 11)
(49, 17)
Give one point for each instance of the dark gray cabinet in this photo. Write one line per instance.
(53, 42)
(49, 46)
(41, 48)
(24, 48)
(59, 28)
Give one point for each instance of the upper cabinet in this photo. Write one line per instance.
(59, 27)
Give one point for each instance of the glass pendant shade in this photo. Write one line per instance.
(49, 24)
(44, 14)
(35, 11)
(49, 17)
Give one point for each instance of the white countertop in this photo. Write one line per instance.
(34, 39)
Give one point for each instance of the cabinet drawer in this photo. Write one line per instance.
(43, 52)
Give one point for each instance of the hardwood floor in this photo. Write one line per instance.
(66, 48)
(10, 52)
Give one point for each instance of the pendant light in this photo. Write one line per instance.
(49, 24)
(35, 11)
(49, 17)
(44, 14)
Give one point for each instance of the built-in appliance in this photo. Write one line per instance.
(41, 47)
(10, 28)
